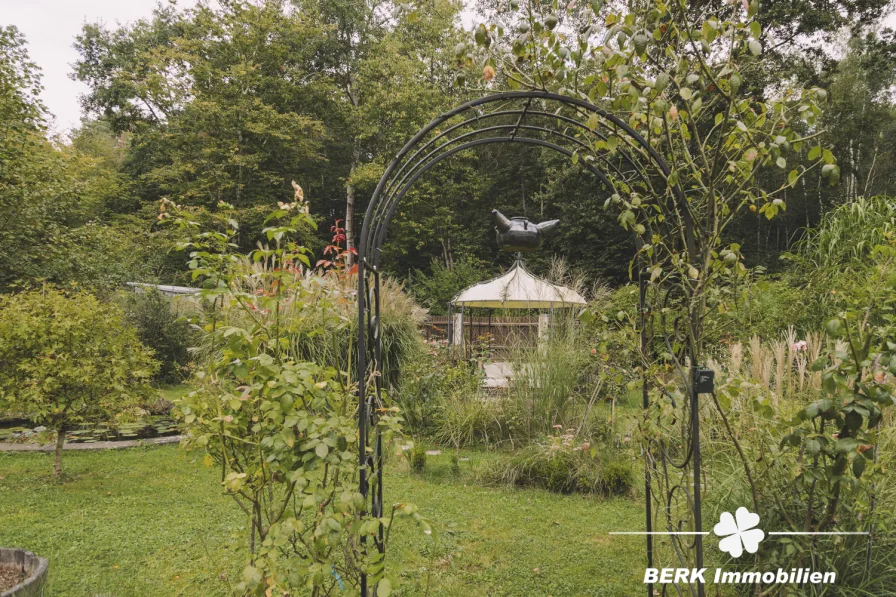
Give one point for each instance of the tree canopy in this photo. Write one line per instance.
(234, 101)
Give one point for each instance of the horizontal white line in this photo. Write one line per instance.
(707, 533)
(656, 533)
(822, 533)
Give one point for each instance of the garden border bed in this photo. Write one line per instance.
(108, 445)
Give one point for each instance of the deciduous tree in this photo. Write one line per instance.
(68, 359)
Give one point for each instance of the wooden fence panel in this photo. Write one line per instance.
(498, 331)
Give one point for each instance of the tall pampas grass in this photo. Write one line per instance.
(318, 319)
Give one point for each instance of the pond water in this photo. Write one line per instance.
(20, 430)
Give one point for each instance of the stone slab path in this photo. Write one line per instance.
(131, 443)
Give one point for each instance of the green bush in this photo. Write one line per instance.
(68, 359)
(159, 327)
(418, 457)
(807, 463)
(443, 399)
(322, 326)
(428, 384)
(610, 328)
(435, 290)
(563, 464)
(617, 477)
(784, 501)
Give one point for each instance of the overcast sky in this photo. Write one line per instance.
(50, 27)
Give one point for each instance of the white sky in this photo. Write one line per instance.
(50, 27)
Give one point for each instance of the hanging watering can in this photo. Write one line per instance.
(519, 235)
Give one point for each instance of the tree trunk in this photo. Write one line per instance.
(349, 218)
(352, 93)
(57, 461)
(350, 207)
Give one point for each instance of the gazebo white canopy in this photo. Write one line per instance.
(518, 289)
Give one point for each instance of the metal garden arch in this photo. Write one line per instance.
(607, 146)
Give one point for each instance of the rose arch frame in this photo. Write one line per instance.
(608, 147)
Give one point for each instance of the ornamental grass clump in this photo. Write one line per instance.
(321, 325)
(563, 463)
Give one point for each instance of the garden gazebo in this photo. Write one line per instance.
(518, 288)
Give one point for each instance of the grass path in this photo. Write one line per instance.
(152, 521)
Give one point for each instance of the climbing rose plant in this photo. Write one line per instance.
(282, 431)
(681, 78)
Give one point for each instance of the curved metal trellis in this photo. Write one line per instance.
(618, 157)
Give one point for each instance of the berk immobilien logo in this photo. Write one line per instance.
(738, 533)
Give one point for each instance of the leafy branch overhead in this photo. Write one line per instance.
(680, 85)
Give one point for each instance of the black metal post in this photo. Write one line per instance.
(378, 380)
(362, 407)
(645, 401)
(695, 447)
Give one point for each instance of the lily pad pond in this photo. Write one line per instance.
(19, 430)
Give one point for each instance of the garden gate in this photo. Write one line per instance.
(608, 147)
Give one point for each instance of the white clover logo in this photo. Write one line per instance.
(740, 534)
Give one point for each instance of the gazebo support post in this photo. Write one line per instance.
(449, 332)
(472, 321)
(463, 352)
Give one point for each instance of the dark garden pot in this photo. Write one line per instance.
(34, 569)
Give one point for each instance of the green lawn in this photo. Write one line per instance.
(152, 521)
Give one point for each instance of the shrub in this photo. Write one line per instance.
(793, 436)
(435, 290)
(282, 429)
(428, 384)
(610, 329)
(418, 457)
(564, 464)
(617, 477)
(159, 327)
(421, 393)
(68, 359)
(461, 413)
(794, 494)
